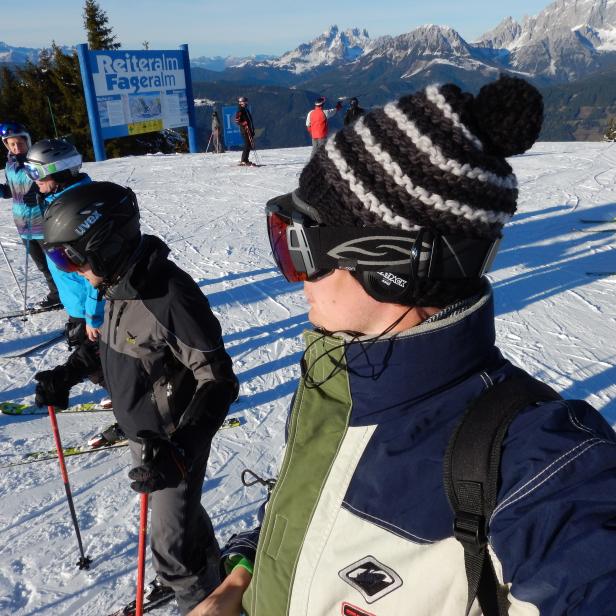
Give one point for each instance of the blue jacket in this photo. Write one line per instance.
(27, 214)
(359, 523)
(79, 297)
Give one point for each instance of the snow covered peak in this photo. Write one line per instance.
(566, 41)
(596, 17)
(332, 47)
(427, 40)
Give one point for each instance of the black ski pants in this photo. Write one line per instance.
(185, 551)
(247, 146)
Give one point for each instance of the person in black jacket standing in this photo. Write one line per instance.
(353, 112)
(165, 366)
(243, 117)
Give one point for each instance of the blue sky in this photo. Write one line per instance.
(244, 27)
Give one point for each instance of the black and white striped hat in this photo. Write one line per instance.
(435, 159)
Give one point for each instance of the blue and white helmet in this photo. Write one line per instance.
(14, 129)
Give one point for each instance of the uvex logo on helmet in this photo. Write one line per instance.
(86, 225)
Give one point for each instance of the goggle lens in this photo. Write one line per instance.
(277, 226)
(65, 258)
(32, 171)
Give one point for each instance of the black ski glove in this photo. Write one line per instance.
(53, 387)
(165, 469)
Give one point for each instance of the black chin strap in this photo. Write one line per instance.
(364, 344)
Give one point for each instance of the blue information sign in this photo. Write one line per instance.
(233, 135)
(132, 92)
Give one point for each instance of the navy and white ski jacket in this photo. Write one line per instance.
(359, 524)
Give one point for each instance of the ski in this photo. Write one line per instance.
(601, 274)
(148, 605)
(28, 311)
(603, 230)
(44, 455)
(598, 221)
(13, 408)
(53, 339)
(52, 454)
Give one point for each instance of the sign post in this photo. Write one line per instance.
(134, 92)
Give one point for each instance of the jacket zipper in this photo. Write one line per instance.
(117, 323)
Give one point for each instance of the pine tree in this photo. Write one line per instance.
(33, 85)
(610, 130)
(100, 35)
(66, 99)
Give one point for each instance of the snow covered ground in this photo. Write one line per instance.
(552, 319)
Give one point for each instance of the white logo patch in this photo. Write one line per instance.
(371, 578)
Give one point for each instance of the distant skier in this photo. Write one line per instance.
(243, 117)
(317, 122)
(27, 213)
(353, 112)
(216, 134)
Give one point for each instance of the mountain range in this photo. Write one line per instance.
(568, 46)
(567, 41)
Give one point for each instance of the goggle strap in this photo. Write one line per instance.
(428, 255)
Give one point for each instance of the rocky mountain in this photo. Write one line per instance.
(566, 41)
(332, 47)
(394, 65)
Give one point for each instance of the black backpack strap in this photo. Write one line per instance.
(471, 477)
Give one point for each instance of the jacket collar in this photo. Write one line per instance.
(413, 364)
(78, 180)
(148, 257)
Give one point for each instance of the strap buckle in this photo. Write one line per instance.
(469, 530)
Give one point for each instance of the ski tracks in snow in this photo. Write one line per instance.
(551, 319)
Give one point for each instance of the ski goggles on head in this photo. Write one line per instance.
(304, 250)
(65, 257)
(39, 171)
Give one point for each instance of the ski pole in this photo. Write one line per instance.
(84, 561)
(26, 278)
(208, 143)
(12, 271)
(146, 452)
(254, 149)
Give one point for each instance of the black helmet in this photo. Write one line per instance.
(52, 158)
(354, 102)
(96, 223)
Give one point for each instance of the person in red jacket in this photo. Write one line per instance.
(316, 122)
(243, 117)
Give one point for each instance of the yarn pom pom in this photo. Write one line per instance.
(508, 113)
